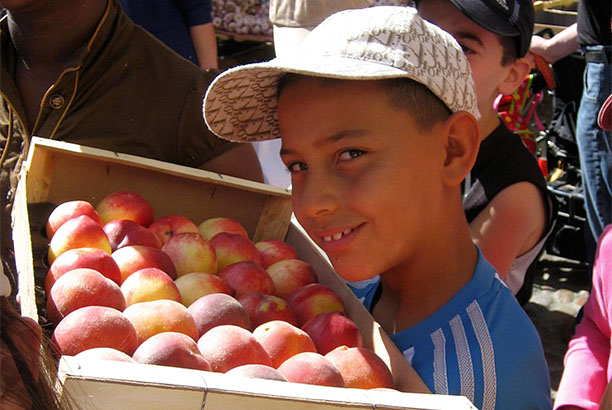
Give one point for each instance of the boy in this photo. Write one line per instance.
(377, 119)
(506, 201)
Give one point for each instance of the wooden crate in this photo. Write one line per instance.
(56, 172)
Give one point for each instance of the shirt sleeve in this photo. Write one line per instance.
(197, 12)
(587, 361)
(365, 290)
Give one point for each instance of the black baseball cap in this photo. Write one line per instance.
(511, 18)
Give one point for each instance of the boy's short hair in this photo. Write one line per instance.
(402, 94)
(376, 43)
(509, 51)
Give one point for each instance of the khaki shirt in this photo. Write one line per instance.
(127, 93)
(309, 13)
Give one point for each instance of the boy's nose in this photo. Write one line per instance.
(319, 195)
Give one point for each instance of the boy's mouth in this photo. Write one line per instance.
(337, 236)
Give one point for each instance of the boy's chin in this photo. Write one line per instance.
(352, 274)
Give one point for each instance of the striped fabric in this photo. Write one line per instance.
(480, 345)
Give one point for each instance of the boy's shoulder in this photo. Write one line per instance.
(481, 344)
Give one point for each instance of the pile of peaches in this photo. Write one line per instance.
(125, 286)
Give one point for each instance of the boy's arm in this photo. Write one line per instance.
(510, 225)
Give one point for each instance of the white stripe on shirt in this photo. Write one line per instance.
(464, 358)
(488, 355)
(439, 362)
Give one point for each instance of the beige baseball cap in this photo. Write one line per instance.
(362, 44)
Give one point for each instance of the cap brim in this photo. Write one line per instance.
(604, 119)
(240, 104)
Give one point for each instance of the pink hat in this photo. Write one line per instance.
(604, 119)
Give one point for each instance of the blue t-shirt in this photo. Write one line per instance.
(170, 20)
(481, 345)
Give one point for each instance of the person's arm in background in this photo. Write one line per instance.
(587, 359)
(240, 161)
(497, 231)
(205, 45)
(198, 14)
(555, 48)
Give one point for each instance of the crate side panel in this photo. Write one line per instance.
(92, 394)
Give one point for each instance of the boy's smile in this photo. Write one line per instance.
(363, 175)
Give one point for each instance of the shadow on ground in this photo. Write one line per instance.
(560, 289)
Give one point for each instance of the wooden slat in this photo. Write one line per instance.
(23, 252)
(274, 220)
(99, 384)
(151, 164)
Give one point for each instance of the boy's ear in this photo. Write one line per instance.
(461, 144)
(515, 74)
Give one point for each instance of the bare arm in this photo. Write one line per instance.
(240, 162)
(556, 47)
(205, 45)
(510, 225)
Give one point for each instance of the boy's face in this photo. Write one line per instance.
(481, 47)
(365, 180)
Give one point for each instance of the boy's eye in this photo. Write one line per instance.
(297, 167)
(466, 49)
(350, 154)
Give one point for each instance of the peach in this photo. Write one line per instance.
(69, 210)
(167, 226)
(79, 288)
(190, 252)
(311, 368)
(193, 286)
(78, 232)
(361, 368)
(282, 340)
(95, 326)
(257, 371)
(329, 330)
(245, 277)
(229, 346)
(157, 316)
(291, 274)
(171, 349)
(91, 258)
(212, 226)
(124, 232)
(231, 248)
(310, 300)
(250, 301)
(273, 250)
(218, 309)
(132, 258)
(125, 205)
(270, 308)
(149, 284)
(104, 353)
